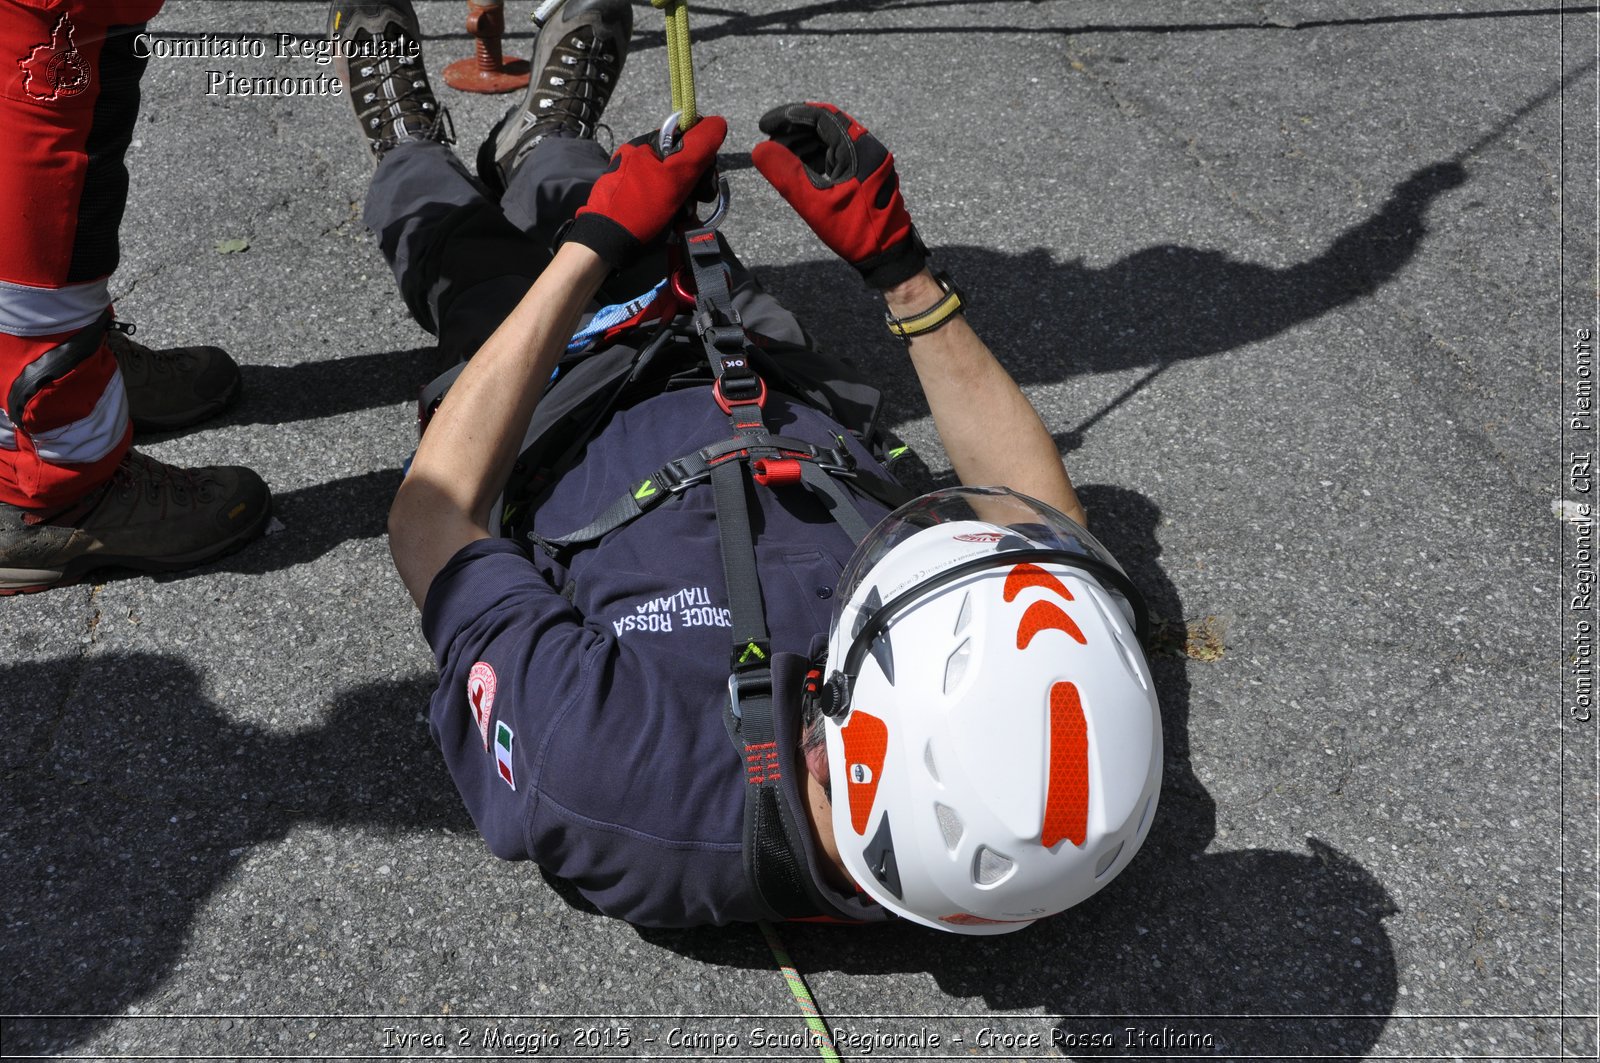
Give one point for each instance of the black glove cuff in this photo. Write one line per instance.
(615, 245)
(900, 262)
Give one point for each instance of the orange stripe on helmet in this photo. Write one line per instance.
(1066, 803)
(1021, 577)
(1046, 616)
(866, 744)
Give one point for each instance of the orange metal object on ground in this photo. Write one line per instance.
(488, 70)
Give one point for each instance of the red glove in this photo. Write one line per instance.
(841, 180)
(641, 193)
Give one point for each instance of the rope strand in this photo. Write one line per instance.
(801, 994)
(680, 61)
(680, 69)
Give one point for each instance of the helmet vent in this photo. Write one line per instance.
(990, 867)
(965, 616)
(927, 761)
(949, 825)
(879, 855)
(1133, 665)
(955, 669)
(1103, 864)
(1144, 819)
(1118, 624)
(883, 653)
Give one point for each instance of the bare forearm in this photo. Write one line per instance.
(991, 432)
(462, 463)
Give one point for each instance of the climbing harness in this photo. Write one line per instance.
(694, 303)
(751, 457)
(697, 297)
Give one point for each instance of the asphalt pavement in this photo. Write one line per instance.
(1302, 289)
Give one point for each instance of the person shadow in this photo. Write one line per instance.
(1155, 308)
(119, 837)
(1266, 953)
(1251, 936)
(1200, 302)
(1249, 953)
(127, 809)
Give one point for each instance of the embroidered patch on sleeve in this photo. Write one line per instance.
(481, 683)
(502, 753)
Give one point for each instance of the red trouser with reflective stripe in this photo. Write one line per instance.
(69, 95)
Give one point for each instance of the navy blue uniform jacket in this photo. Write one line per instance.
(588, 735)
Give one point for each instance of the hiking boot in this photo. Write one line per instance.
(172, 388)
(576, 62)
(150, 516)
(385, 77)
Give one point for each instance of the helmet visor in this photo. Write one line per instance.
(1019, 528)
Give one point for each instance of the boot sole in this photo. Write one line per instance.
(33, 580)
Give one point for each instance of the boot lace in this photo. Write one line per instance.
(138, 473)
(393, 93)
(575, 86)
(138, 361)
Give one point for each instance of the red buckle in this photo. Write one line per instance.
(727, 407)
(770, 471)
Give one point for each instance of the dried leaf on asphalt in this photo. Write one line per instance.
(232, 246)
(1204, 641)
(1198, 640)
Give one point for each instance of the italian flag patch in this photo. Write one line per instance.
(502, 753)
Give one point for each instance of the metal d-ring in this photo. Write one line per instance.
(720, 209)
(669, 140)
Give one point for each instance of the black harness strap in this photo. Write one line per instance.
(817, 470)
(772, 858)
(773, 838)
(752, 644)
(839, 505)
(637, 502)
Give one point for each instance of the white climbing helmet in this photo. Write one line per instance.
(993, 738)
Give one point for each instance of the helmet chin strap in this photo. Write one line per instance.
(819, 810)
(817, 789)
(816, 757)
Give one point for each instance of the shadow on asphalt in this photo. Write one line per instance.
(1048, 321)
(125, 814)
(1182, 932)
(1249, 933)
(317, 519)
(310, 390)
(1155, 308)
(791, 22)
(1158, 306)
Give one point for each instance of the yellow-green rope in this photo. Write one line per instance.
(680, 63)
(802, 995)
